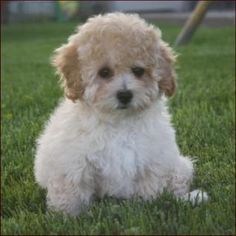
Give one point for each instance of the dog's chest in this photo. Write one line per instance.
(121, 157)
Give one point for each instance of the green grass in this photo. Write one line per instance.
(203, 114)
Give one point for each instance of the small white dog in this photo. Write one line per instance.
(112, 133)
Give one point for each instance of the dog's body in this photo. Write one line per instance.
(113, 136)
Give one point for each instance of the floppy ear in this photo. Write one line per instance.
(167, 72)
(66, 61)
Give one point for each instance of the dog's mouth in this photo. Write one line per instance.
(123, 106)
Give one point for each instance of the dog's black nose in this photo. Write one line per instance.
(124, 96)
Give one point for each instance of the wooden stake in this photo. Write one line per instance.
(192, 23)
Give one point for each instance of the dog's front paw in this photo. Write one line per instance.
(196, 197)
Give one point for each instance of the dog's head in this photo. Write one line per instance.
(116, 61)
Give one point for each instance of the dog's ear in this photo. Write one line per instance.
(167, 58)
(66, 61)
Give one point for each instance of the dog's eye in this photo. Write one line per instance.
(105, 73)
(138, 71)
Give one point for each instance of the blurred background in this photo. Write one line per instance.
(220, 13)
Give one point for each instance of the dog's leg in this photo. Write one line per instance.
(182, 178)
(176, 178)
(68, 197)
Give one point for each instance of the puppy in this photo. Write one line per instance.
(112, 134)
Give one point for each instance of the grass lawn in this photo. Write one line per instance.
(203, 114)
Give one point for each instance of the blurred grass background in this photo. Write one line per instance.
(203, 114)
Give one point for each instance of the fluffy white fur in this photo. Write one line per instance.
(92, 148)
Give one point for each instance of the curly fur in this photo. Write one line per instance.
(90, 147)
